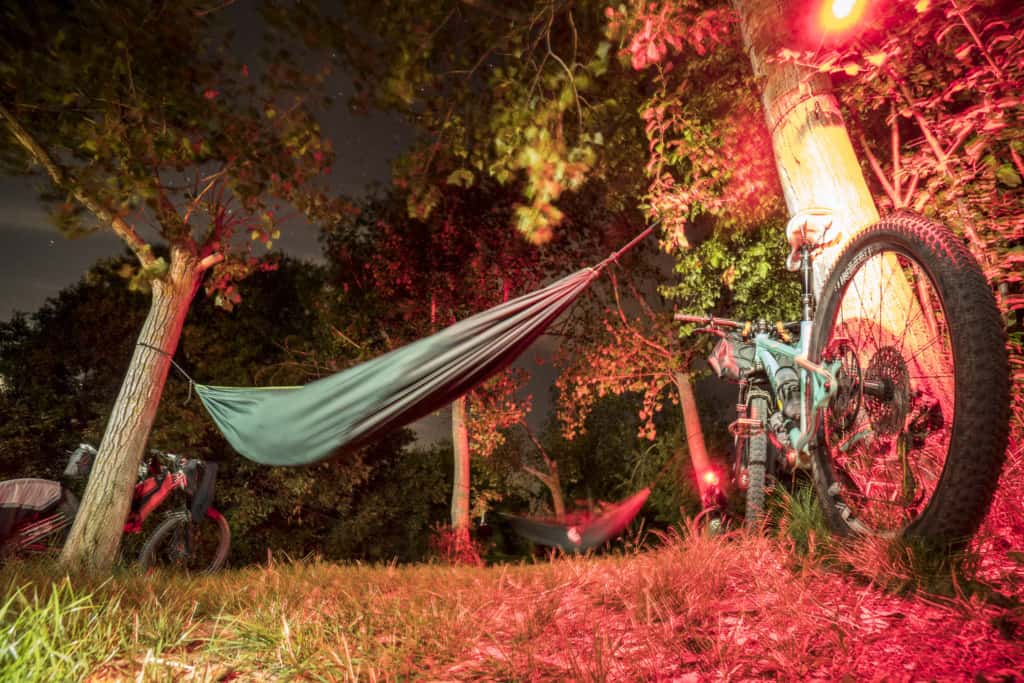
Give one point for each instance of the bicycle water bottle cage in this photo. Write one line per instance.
(810, 227)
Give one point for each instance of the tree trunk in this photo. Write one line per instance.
(813, 153)
(553, 482)
(694, 433)
(96, 534)
(816, 162)
(460, 484)
(551, 478)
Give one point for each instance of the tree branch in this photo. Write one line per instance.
(657, 348)
(1017, 161)
(894, 138)
(211, 10)
(199, 196)
(210, 261)
(977, 40)
(926, 130)
(890, 191)
(59, 176)
(545, 478)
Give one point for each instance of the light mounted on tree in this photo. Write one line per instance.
(840, 15)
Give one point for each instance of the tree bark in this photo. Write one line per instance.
(694, 433)
(553, 482)
(460, 484)
(815, 159)
(551, 478)
(96, 534)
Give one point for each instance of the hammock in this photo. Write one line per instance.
(582, 534)
(301, 425)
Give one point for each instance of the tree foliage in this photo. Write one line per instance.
(528, 94)
(158, 126)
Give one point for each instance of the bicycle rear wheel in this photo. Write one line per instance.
(180, 543)
(914, 439)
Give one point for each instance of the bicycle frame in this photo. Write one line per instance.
(817, 382)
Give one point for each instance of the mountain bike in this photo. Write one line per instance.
(892, 390)
(36, 514)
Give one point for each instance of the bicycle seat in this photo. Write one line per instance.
(811, 227)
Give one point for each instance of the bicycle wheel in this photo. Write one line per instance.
(180, 543)
(914, 439)
(44, 535)
(756, 452)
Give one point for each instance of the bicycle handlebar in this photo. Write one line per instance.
(707, 320)
(174, 461)
(713, 324)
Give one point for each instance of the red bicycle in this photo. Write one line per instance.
(35, 514)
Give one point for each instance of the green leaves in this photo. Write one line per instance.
(461, 177)
(142, 280)
(1007, 175)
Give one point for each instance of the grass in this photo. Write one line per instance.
(789, 604)
(733, 607)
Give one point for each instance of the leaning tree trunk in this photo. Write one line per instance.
(814, 156)
(694, 433)
(553, 482)
(96, 534)
(460, 485)
(816, 162)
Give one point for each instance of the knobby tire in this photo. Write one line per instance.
(151, 554)
(942, 506)
(756, 446)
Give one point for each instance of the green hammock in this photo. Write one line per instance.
(301, 425)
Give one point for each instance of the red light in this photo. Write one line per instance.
(711, 478)
(839, 15)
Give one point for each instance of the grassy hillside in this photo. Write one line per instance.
(695, 609)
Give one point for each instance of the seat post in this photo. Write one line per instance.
(807, 282)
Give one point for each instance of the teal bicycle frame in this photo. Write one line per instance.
(817, 382)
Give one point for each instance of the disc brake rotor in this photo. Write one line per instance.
(888, 413)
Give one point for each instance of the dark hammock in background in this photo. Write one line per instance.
(577, 535)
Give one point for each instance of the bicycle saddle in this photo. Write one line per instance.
(810, 226)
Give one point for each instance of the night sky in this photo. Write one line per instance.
(36, 261)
